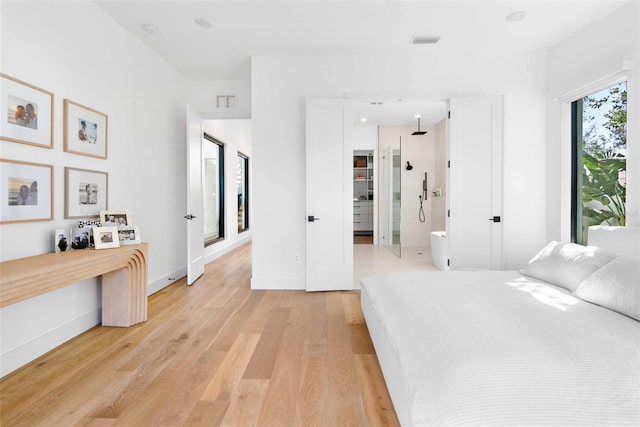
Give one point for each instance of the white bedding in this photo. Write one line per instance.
(498, 348)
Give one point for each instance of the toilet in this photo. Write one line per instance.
(439, 249)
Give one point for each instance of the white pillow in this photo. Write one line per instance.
(615, 286)
(566, 264)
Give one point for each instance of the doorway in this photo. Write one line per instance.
(363, 196)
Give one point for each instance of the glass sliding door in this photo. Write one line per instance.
(599, 147)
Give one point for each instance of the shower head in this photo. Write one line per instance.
(418, 132)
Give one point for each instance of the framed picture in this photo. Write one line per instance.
(81, 238)
(26, 113)
(26, 191)
(115, 218)
(85, 192)
(61, 240)
(129, 235)
(106, 237)
(85, 130)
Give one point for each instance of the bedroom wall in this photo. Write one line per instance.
(280, 85)
(596, 54)
(93, 61)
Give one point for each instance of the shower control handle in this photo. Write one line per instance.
(312, 218)
(495, 219)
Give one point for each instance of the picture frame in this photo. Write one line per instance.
(85, 130)
(61, 241)
(26, 191)
(26, 113)
(81, 238)
(86, 192)
(115, 218)
(129, 235)
(106, 237)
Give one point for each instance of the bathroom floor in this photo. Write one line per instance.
(373, 260)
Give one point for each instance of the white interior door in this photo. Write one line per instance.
(474, 224)
(329, 198)
(195, 212)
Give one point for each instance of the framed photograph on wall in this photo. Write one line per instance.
(26, 191)
(106, 237)
(129, 235)
(115, 218)
(85, 192)
(85, 130)
(26, 113)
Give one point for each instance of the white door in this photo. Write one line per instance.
(195, 222)
(474, 223)
(329, 199)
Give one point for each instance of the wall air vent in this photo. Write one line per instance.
(425, 39)
(225, 101)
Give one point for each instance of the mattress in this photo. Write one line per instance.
(499, 348)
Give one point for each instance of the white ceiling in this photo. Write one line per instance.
(241, 29)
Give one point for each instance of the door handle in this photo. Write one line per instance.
(495, 219)
(312, 218)
(189, 217)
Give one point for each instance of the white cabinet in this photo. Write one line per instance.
(363, 215)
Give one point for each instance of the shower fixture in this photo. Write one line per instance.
(418, 132)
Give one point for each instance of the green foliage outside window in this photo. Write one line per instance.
(604, 157)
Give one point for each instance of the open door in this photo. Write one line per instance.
(474, 183)
(329, 200)
(195, 212)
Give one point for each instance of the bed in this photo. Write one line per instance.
(554, 344)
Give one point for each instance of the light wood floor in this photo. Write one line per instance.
(215, 353)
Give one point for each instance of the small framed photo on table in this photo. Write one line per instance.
(85, 130)
(85, 192)
(26, 191)
(129, 235)
(26, 113)
(115, 218)
(106, 237)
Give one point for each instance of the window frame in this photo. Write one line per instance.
(221, 193)
(245, 158)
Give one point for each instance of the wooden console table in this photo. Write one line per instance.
(123, 271)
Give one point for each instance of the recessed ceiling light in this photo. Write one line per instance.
(202, 22)
(425, 39)
(363, 119)
(149, 28)
(516, 16)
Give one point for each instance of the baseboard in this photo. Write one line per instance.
(166, 280)
(282, 283)
(19, 356)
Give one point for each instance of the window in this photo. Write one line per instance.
(213, 187)
(599, 146)
(243, 192)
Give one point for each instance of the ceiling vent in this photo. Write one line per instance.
(425, 39)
